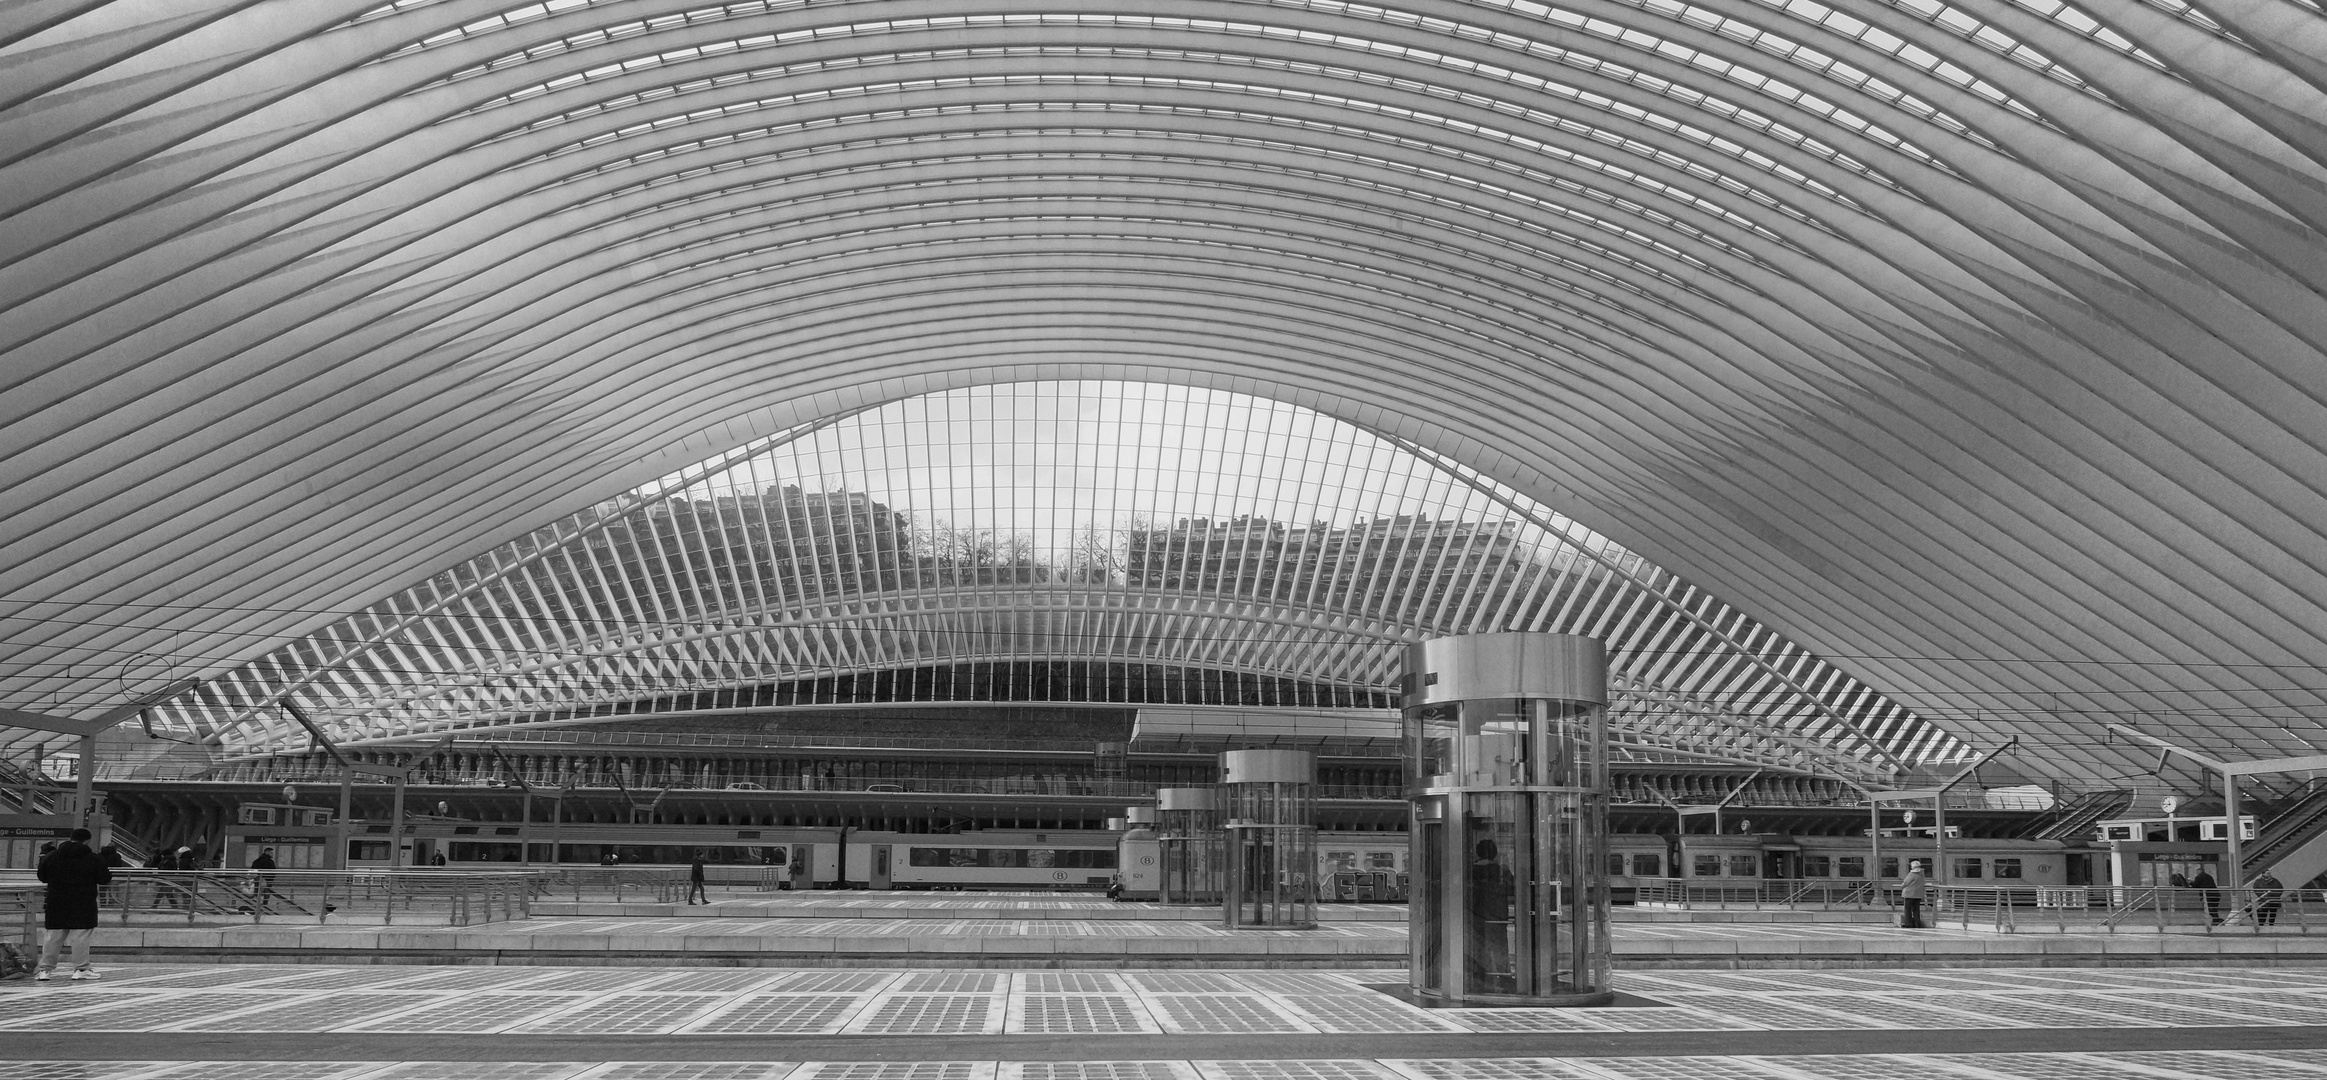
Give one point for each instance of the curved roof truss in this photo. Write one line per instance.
(1976, 345)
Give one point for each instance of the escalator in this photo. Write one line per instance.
(2076, 819)
(2293, 844)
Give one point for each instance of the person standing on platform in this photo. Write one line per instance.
(1487, 924)
(2269, 895)
(109, 896)
(695, 891)
(2210, 892)
(1913, 890)
(73, 874)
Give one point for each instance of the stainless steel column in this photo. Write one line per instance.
(1507, 768)
(1268, 803)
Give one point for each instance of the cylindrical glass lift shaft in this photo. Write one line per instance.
(1506, 759)
(1188, 829)
(1268, 805)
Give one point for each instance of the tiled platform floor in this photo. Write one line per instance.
(2170, 1065)
(1130, 942)
(257, 1022)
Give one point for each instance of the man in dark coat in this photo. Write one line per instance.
(73, 874)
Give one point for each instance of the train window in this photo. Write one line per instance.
(1817, 866)
(1647, 864)
(1966, 869)
(1890, 866)
(1745, 866)
(1615, 864)
(1850, 866)
(367, 851)
(1381, 860)
(1705, 866)
(2007, 868)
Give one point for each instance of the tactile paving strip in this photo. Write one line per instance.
(2217, 1065)
(1523, 1020)
(1185, 983)
(152, 1011)
(838, 982)
(345, 978)
(1902, 1010)
(471, 979)
(783, 1013)
(931, 1014)
(1867, 1067)
(897, 1070)
(1494, 1069)
(1782, 1014)
(1070, 982)
(1666, 1020)
(650, 1013)
(217, 976)
(599, 980)
(1081, 1014)
(77, 1070)
(14, 1007)
(1292, 1070)
(1219, 1014)
(315, 1014)
(726, 982)
(691, 1070)
(269, 1070)
(478, 1070)
(485, 1012)
(1096, 1070)
(948, 982)
(1300, 983)
(1360, 1013)
(1677, 1068)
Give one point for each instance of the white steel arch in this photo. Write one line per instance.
(1977, 345)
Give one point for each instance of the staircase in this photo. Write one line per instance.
(134, 849)
(2076, 819)
(2293, 843)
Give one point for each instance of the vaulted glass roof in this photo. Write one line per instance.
(1051, 541)
(1977, 348)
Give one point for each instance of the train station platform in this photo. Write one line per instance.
(1044, 931)
(267, 1022)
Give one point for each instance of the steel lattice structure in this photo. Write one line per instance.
(1977, 346)
(806, 558)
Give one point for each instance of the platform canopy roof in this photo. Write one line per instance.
(1974, 351)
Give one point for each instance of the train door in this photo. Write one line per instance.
(801, 864)
(879, 877)
(2078, 868)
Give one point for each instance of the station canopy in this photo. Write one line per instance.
(1883, 380)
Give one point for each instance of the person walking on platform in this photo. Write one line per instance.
(695, 891)
(264, 867)
(2210, 892)
(73, 874)
(1913, 890)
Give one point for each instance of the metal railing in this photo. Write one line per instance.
(455, 898)
(20, 907)
(1792, 894)
(2107, 909)
(623, 883)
